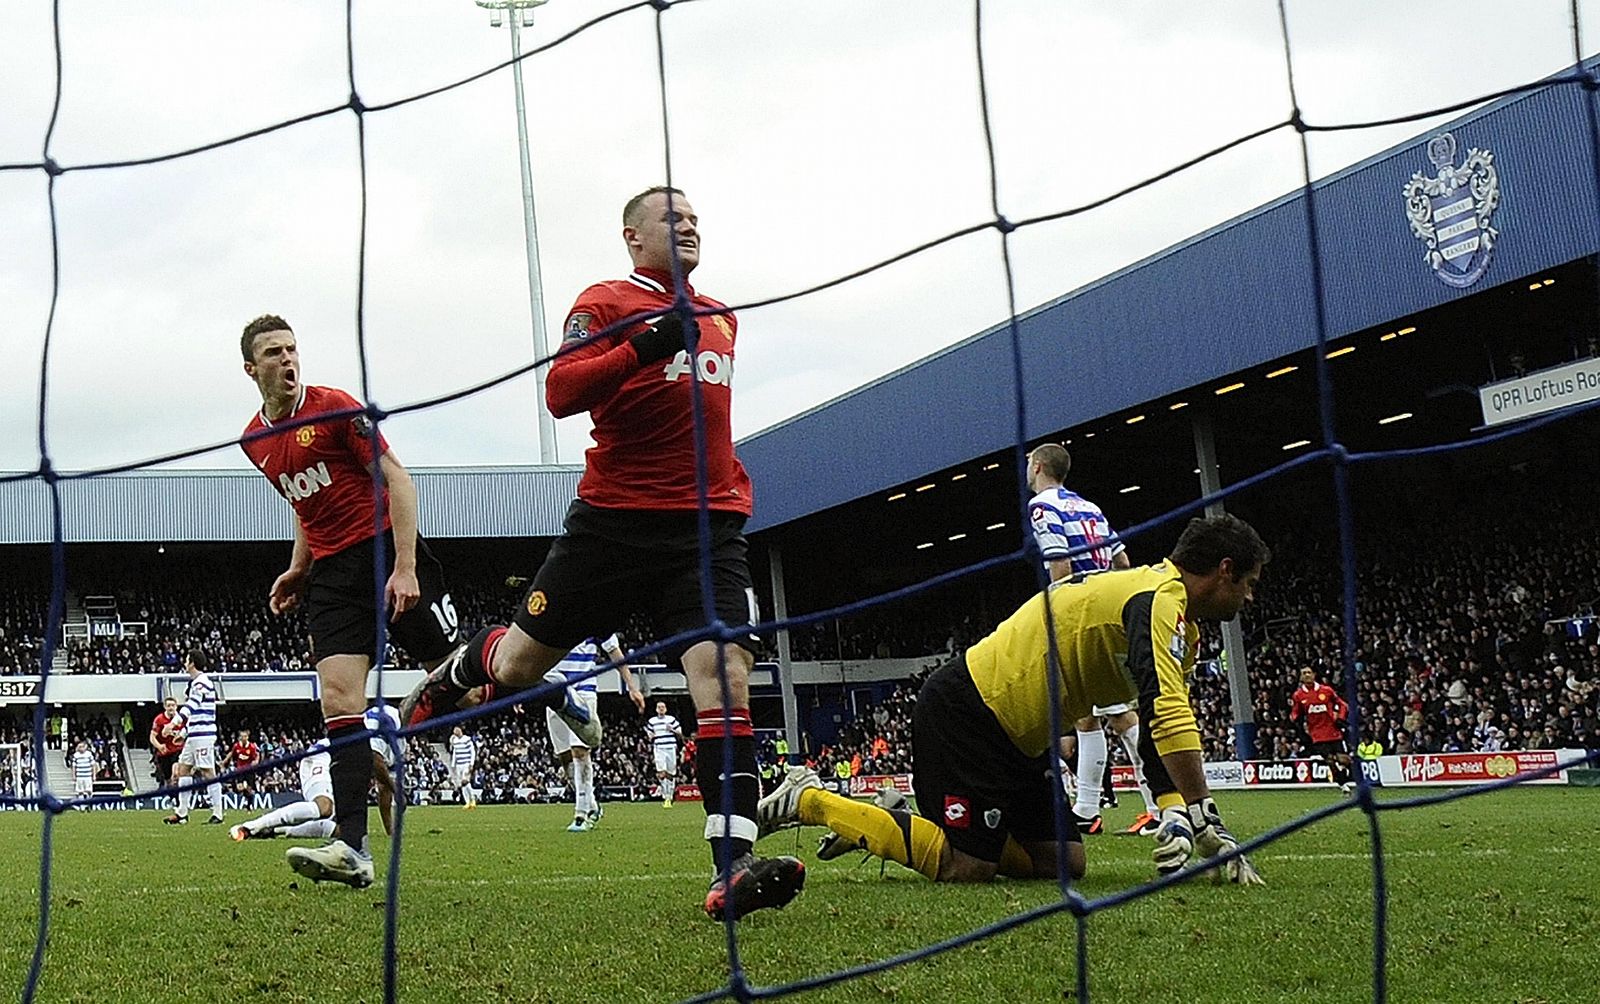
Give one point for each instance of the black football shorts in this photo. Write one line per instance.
(611, 563)
(969, 776)
(344, 594)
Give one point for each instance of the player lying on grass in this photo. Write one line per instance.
(312, 816)
(981, 732)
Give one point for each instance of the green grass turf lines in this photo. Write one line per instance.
(1492, 899)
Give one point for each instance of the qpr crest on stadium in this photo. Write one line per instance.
(1451, 211)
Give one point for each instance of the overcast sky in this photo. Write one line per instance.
(813, 138)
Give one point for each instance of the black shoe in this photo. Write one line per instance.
(214, 821)
(436, 695)
(754, 884)
(1089, 826)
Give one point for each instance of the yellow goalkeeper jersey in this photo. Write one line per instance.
(1122, 637)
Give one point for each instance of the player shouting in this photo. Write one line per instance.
(324, 469)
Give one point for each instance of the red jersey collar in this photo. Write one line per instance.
(299, 403)
(657, 281)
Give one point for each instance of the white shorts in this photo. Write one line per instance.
(82, 787)
(666, 759)
(460, 774)
(561, 737)
(318, 785)
(1107, 710)
(200, 754)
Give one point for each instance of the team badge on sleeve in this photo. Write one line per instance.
(361, 425)
(578, 327)
(1039, 516)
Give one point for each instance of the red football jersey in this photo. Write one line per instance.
(245, 755)
(1323, 709)
(166, 747)
(323, 469)
(643, 453)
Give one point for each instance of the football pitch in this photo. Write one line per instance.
(1494, 898)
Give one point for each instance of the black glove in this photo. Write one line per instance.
(661, 341)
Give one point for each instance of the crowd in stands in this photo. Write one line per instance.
(1467, 640)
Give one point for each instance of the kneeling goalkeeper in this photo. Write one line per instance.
(981, 735)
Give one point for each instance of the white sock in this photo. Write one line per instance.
(1091, 767)
(316, 828)
(470, 794)
(667, 785)
(586, 783)
(185, 794)
(1130, 743)
(575, 768)
(214, 796)
(288, 815)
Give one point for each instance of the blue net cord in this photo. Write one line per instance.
(1347, 540)
(1341, 461)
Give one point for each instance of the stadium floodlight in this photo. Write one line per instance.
(522, 17)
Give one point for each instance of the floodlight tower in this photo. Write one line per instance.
(520, 14)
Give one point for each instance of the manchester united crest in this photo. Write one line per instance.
(1451, 212)
(305, 434)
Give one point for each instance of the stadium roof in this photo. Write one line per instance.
(166, 505)
(1231, 298)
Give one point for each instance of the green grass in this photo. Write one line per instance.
(1491, 899)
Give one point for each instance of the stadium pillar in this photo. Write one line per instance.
(780, 611)
(520, 13)
(1244, 718)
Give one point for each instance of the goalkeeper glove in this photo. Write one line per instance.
(1211, 838)
(1174, 841)
(662, 340)
(1198, 828)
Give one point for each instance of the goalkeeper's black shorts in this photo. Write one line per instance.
(970, 778)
